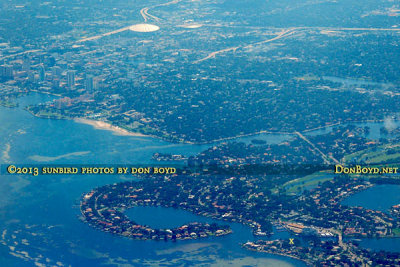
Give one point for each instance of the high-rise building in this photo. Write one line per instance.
(70, 79)
(96, 83)
(31, 77)
(56, 83)
(26, 63)
(89, 83)
(6, 72)
(56, 72)
(42, 73)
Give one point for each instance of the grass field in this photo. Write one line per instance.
(396, 231)
(380, 154)
(307, 182)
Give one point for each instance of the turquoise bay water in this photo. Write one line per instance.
(39, 218)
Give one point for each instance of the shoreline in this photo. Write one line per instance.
(46, 93)
(280, 254)
(102, 125)
(287, 133)
(123, 132)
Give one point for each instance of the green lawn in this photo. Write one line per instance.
(396, 231)
(310, 180)
(376, 155)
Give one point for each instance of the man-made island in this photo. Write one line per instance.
(103, 208)
(290, 185)
(316, 214)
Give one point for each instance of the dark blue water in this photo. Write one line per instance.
(374, 129)
(379, 197)
(268, 138)
(165, 218)
(386, 244)
(39, 215)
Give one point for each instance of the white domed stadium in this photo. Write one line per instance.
(144, 28)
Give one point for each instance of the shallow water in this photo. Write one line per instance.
(39, 220)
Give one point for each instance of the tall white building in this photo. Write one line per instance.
(6, 71)
(89, 83)
(42, 73)
(56, 71)
(70, 79)
(26, 63)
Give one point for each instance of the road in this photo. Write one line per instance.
(144, 12)
(103, 35)
(324, 156)
(22, 53)
(282, 34)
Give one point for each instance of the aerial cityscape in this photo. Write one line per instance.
(199, 133)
